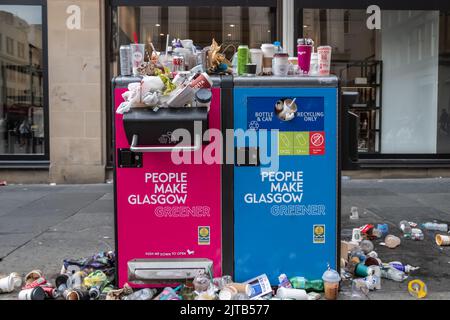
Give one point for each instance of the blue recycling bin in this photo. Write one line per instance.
(287, 180)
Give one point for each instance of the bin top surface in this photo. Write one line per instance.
(289, 81)
(124, 81)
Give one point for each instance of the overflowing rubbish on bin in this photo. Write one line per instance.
(171, 78)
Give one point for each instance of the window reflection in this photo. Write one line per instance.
(21, 80)
(229, 25)
(401, 73)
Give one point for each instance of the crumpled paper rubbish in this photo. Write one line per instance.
(141, 94)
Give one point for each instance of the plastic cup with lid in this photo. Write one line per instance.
(331, 279)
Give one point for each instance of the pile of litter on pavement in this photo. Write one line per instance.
(93, 278)
(361, 264)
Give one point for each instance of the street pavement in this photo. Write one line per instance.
(40, 225)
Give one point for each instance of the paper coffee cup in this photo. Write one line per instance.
(137, 56)
(241, 288)
(32, 294)
(227, 293)
(7, 284)
(442, 240)
(356, 235)
(17, 279)
(256, 56)
(203, 80)
(32, 276)
(268, 50)
(324, 53)
(71, 295)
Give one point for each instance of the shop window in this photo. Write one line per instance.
(20, 50)
(401, 72)
(22, 112)
(228, 25)
(9, 46)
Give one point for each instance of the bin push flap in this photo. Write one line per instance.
(166, 270)
(151, 131)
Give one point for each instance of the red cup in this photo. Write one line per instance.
(202, 81)
(304, 57)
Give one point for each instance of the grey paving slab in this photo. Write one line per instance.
(82, 188)
(5, 250)
(385, 201)
(366, 191)
(415, 214)
(435, 185)
(108, 196)
(440, 201)
(60, 202)
(40, 214)
(31, 187)
(15, 199)
(106, 206)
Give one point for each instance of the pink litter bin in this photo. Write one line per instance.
(167, 215)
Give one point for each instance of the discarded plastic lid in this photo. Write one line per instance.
(417, 288)
(203, 95)
(331, 276)
(392, 241)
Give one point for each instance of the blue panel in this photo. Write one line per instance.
(285, 221)
(310, 116)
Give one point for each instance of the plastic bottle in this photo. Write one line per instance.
(243, 55)
(201, 282)
(359, 253)
(406, 228)
(278, 48)
(314, 71)
(144, 294)
(417, 234)
(360, 289)
(284, 281)
(307, 285)
(234, 64)
(433, 226)
(401, 267)
(389, 272)
(366, 246)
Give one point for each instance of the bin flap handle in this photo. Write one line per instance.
(197, 145)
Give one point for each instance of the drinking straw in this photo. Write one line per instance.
(292, 102)
(135, 37)
(167, 44)
(153, 48)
